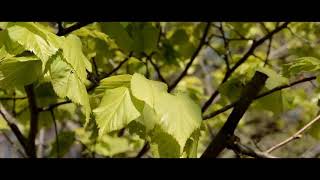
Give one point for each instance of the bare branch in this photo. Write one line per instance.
(56, 132)
(194, 55)
(11, 123)
(70, 29)
(254, 45)
(144, 150)
(31, 146)
(229, 106)
(224, 137)
(296, 135)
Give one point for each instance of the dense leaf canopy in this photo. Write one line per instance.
(160, 89)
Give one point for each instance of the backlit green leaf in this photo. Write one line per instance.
(115, 111)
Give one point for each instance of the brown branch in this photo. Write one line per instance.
(93, 86)
(226, 46)
(56, 132)
(296, 135)
(13, 145)
(144, 150)
(225, 135)
(248, 151)
(229, 106)
(193, 57)
(31, 146)
(254, 45)
(72, 28)
(52, 106)
(11, 98)
(10, 120)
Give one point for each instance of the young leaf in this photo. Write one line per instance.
(304, 64)
(164, 145)
(13, 71)
(116, 31)
(72, 52)
(66, 83)
(146, 90)
(30, 40)
(66, 140)
(113, 82)
(180, 125)
(115, 111)
(274, 79)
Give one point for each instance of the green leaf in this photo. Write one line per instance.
(179, 37)
(117, 32)
(180, 125)
(191, 147)
(304, 64)
(3, 124)
(274, 78)
(10, 48)
(115, 111)
(113, 82)
(150, 38)
(66, 140)
(111, 146)
(231, 89)
(164, 145)
(72, 52)
(13, 71)
(34, 40)
(66, 83)
(146, 90)
(272, 102)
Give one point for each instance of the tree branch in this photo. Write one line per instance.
(31, 146)
(70, 29)
(194, 55)
(13, 145)
(93, 86)
(229, 106)
(144, 150)
(226, 46)
(254, 45)
(248, 151)
(296, 135)
(11, 123)
(56, 132)
(226, 133)
(11, 98)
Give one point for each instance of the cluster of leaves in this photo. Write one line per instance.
(58, 66)
(110, 81)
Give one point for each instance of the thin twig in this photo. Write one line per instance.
(155, 66)
(144, 150)
(13, 145)
(226, 47)
(56, 132)
(14, 105)
(193, 57)
(11, 98)
(72, 28)
(297, 135)
(10, 120)
(229, 106)
(268, 51)
(254, 45)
